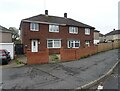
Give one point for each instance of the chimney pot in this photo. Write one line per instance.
(65, 15)
(46, 12)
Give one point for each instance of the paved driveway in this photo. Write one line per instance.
(67, 75)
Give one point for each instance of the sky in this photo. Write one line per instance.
(101, 14)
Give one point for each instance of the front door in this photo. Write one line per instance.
(34, 45)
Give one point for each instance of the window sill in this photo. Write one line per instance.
(53, 32)
(54, 48)
(87, 34)
(74, 48)
(73, 33)
(34, 30)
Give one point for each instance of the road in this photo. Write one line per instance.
(112, 82)
(67, 75)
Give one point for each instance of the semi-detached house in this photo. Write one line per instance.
(53, 32)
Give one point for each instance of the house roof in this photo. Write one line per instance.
(96, 31)
(57, 20)
(101, 35)
(114, 32)
(3, 29)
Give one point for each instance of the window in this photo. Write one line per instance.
(87, 42)
(53, 43)
(34, 27)
(87, 31)
(73, 44)
(53, 28)
(73, 30)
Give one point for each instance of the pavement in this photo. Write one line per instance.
(13, 63)
(67, 75)
(112, 81)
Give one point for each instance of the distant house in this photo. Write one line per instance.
(102, 38)
(113, 35)
(96, 36)
(6, 40)
(53, 32)
(5, 35)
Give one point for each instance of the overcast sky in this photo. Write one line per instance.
(101, 14)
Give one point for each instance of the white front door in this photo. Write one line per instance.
(34, 45)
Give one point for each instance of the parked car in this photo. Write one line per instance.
(4, 56)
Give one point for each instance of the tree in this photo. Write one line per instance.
(15, 33)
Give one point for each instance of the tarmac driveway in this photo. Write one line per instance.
(67, 75)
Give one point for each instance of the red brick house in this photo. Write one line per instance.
(53, 32)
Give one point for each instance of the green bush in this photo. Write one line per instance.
(54, 58)
(18, 62)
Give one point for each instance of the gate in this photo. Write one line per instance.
(19, 49)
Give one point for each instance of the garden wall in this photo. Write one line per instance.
(74, 54)
(70, 54)
(37, 57)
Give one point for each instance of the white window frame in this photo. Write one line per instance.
(87, 31)
(74, 42)
(73, 30)
(87, 42)
(53, 28)
(34, 26)
(53, 43)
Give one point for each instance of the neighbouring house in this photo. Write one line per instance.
(102, 38)
(96, 36)
(113, 35)
(6, 40)
(5, 35)
(53, 32)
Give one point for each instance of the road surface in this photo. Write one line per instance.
(67, 75)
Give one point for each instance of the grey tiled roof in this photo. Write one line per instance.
(96, 31)
(3, 29)
(58, 20)
(113, 32)
(101, 35)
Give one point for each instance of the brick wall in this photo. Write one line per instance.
(37, 57)
(43, 34)
(54, 51)
(74, 54)
(67, 54)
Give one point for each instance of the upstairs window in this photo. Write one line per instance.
(87, 31)
(34, 27)
(53, 28)
(73, 44)
(73, 30)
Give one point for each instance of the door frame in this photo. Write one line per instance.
(34, 43)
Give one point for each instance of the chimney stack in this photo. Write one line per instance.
(46, 12)
(65, 15)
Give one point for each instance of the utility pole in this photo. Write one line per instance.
(119, 15)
